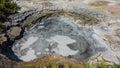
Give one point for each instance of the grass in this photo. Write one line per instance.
(52, 66)
(103, 64)
(28, 66)
(87, 65)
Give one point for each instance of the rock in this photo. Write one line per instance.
(6, 63)
(2, 38)
(98, 59)
(21, 16)
(3, 41)
(11, 35)
(14, 32)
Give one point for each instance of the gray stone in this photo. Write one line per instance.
(14, 32)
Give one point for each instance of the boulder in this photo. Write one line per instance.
(14, 32)
(3, 41)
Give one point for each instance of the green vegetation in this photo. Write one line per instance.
(7, 7)
(28, 66)
(103, 64)
(54, 65)
(69, 66)
(87, 65)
